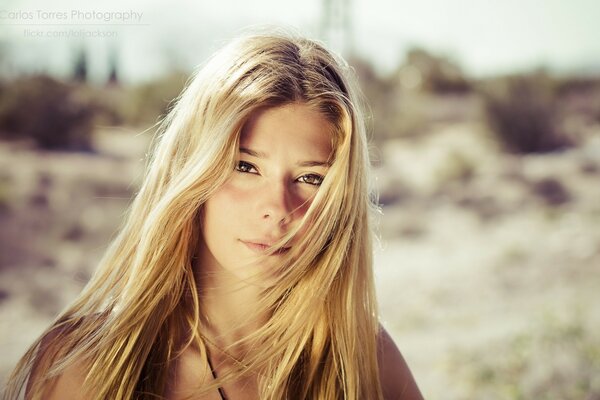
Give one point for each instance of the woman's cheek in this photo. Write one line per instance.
(232, 194)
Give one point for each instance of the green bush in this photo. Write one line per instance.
(146, 103)
(521, 111)
(51, 113)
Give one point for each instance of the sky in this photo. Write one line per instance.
(483, 37)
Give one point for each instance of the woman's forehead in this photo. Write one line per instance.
(292, 128)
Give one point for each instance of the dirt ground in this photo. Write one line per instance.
(487, 264)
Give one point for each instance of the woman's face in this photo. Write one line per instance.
(283, 157)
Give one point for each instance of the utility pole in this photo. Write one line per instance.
(336, 28)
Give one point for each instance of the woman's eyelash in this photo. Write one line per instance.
(244, 166)
(309, 179)
(318, 178)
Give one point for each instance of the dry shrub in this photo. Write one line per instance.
(522, 113)
(51, 113)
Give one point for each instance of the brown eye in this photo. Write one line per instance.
(245, 167)
(311, 179)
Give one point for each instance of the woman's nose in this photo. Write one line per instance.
(278, 202)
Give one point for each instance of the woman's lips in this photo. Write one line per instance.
(260, 248)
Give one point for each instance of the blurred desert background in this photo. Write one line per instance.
(488, 249)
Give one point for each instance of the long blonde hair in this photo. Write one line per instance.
(320, 339)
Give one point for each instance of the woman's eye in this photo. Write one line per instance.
(243, 166)
(311, 179)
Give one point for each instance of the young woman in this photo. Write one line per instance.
(244, 267)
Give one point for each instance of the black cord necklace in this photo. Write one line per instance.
(214, 374)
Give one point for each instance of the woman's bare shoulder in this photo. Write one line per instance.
(69, 383)
(396, 378)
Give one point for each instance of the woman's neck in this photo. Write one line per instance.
(228, 307)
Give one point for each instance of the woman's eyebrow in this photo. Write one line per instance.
(260, 154)
(253, 153)
(314, 164)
